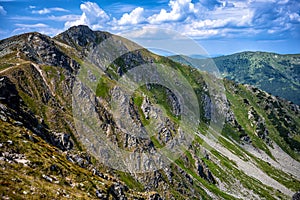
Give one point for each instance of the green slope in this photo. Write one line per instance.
(275, 73)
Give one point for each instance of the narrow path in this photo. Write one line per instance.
(37, 67)
(5, 70)
(43, 77)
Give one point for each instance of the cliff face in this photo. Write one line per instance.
(72, 121)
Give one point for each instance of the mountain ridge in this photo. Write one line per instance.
(275, 73)
(38, 129)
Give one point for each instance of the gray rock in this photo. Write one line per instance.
(203, 171)
(47, 178)
(63, 140)
(296, 196)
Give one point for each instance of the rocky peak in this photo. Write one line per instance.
(81, 37)
(37, 48)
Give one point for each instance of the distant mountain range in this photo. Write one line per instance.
(275, 73)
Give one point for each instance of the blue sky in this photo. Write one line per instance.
(219, 26)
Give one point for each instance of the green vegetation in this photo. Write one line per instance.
(274, 73)
(156, 143)
(103, 87)
(240, 110)
(138, 101)
(130, 181)
(280, 176)
(160, 95)
(209, 186)
(259, 101)
(18, 181)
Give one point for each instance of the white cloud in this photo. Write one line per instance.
(210, 4)
(121, 7)
(180, 9)
(135, 17)
(2, 11)
(92, 15)
(39, 25)
(294, 17)
(205, 19)
(48, 10)
(64, 18)
(43, 11)
(200, 19)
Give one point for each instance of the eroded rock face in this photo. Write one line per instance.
(165, 128)
(260, 126)
(117, 191)
(40, 49)
(296, 196)
(13, 108)
(8, 93)
(203, 171)
(63, 141)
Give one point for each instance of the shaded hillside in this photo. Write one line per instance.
(58, 97)
(274, 73)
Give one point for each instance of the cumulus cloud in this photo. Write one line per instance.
(92, 15)
(206, 18)
(180, 10)
(200, 19)
(277, 16)
(2, 11)
(134, 17)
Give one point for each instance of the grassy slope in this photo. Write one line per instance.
(274, 73)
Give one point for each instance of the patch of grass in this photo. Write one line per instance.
(190, 158)
(103, 87)
(159, 95)
(227, 171)
(181, 180)
(228, 130)
(5, 65)
(210, 187)
(241, 112)
(235, 149)
(280, 176)
(156, 143)
(18, 181)
(224, 160)
(22, 179)
(138, 101)
(130, 181)
(257, 100)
